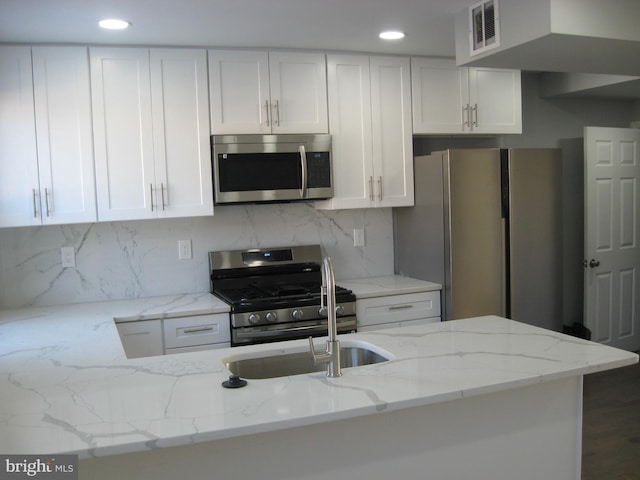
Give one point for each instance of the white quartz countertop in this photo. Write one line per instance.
(387, 285)
(67, 387)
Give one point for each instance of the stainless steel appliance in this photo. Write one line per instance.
(271, 168)
(487, 224)
(274, 294)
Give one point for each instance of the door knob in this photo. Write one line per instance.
(594, 263)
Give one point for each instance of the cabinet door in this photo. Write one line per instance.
(440, 96)
(239, 83)
(182, 155)
(64, 136)
(349, 95)
(141, 339)
(121, 101)
(298, 84)
(392, 131)
(495, 100)
(19, 189)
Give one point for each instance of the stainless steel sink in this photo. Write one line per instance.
(281, 363)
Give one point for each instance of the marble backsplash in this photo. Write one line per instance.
(140, 258)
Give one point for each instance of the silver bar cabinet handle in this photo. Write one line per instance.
(371, 188)
(162, 194)
(465, 116)
(380, 188)
(401, 307)
(266, 106)
(198, 330)
(277, 120)
(151, 195)
(475, 115)
(46, 200)
(35, 205)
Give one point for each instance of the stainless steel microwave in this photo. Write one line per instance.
(271, 168)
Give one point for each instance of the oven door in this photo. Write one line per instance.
(288, 331)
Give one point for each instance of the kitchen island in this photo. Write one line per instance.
(481, 398)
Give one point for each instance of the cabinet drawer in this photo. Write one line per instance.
(196, 330)
(398, 308)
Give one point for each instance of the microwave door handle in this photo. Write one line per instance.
(303, 165)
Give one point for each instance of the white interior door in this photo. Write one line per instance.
(612, 255)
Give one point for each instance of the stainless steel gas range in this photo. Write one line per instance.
(274, 294)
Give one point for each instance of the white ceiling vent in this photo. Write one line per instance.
(484, 28)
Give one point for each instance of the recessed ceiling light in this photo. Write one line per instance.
(391, 35)
(114, 24)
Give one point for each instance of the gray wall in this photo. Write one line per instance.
(556, 122)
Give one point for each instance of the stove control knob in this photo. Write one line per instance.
(271, 317)
(339, 310)
(254, 318)
(322, 311)
(296, 314)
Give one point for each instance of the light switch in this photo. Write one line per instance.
(358, 237)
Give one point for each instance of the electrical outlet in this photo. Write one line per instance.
(184, 250)
(358, 237)
(68, 255)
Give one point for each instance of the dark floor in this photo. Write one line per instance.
(611, 425)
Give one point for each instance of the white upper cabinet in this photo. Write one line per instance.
(46, 150)
(151, 133)
(19, 189)
(267, 92)
(123, 136)
(298, 92)
(448, 99)
(180, 102)
(392, 131)
(370, 126)
(240, 100)
(64, 135)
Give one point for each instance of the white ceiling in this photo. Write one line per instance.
(342, 25)
(328, 25)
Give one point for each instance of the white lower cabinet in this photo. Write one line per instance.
(146, 338)
(141, 338)
(398, 310)
(198, 332)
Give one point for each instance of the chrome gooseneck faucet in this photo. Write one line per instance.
(332, 354)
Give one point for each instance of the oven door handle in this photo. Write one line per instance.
(277, 333)
(303, 166)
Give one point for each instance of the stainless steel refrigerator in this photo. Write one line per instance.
(487, 225)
